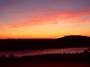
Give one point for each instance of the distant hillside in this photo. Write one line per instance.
(64, 42)
(74, 40)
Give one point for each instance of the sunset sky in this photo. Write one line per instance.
(44, 18)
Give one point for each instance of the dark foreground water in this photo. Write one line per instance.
(78, 60)
(59, 64)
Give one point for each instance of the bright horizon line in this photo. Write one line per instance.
(45, 38)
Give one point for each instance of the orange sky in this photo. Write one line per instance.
(43, 22)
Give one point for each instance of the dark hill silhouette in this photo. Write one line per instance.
(74, 40)
(64, 42)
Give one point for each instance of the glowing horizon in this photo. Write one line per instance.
(44, 18)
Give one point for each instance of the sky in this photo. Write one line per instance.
(44, 18)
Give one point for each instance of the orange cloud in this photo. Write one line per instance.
(51, 24)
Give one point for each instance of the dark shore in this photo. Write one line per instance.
(65, 60)
(33, 44)
(48, 60)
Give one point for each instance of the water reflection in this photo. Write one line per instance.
(45, 51)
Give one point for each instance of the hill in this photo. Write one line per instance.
(64, 42)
